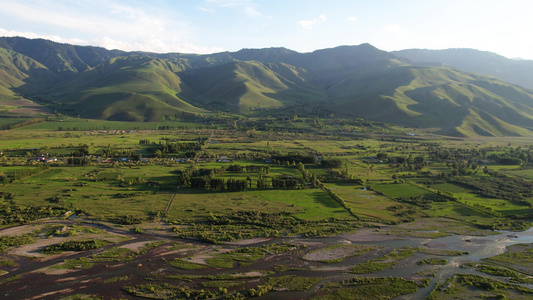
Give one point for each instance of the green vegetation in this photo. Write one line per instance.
(82, 297)
(226, 89)
(516, 257)
(384, 262)
(432, 261)
(503, 272)
(467, 286)
(7, 262)
(263, 177)
(441, 252)
(13, 241)
(185, 265)
(74, 246)
(117, 279)
(114, 254)
(369, 288)
(158, 291)
(292, 283)
(246, 255)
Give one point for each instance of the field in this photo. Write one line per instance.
(247, 212)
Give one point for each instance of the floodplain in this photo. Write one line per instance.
(118, 210)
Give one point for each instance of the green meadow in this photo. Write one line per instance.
(132, 169)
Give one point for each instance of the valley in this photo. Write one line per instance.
(348, 172)
(275, 208)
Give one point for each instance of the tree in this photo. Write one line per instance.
(331, 163)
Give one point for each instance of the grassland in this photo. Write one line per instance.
(178, 180)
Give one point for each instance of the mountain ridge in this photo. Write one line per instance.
(349, 81)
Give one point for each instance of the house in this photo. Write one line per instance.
(224, 159)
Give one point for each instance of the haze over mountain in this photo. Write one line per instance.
(435, 89)
(515, 71)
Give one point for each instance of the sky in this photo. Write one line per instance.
(209, 26)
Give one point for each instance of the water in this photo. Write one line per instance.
(478, 248)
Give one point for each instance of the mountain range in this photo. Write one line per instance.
(460, 92)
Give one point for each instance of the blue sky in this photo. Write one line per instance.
(207, 26)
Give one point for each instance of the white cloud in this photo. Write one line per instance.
(228, 3)
(353, 19)
(252, 12)
(308, 24)
(208, 10)
(149, 45)
(33, 35)
(154, 45)
(396, 30)
(124, 27)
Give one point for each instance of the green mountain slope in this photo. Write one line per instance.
(483, 62)
(59, 58)
(458, 103)
(349, 81)
(244, 86)
(133, 88)
(21, 74)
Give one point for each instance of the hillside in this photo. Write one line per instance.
(19, 72)
(59, 58)
(519, 72)
(458, 103)
(412, 87)
(132, 88)
(244, 86)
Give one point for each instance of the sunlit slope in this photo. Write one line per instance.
(59, 58)
(245, 86)
(459, 103)
(483, 62)
(19, 73)
(133, 88)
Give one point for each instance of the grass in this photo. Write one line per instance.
(114, 254)
(400, 190)
(185, 265)
(292, 283)
(383, 262)
(524, 173)
(117, 279)
(460, 212)
(7, 262)
(221, 284)
(518, 257)
(79, 263)
(467, 286)
(368, 288)
(97, 198)
(7, 242)
(504, 272)
(243, 256)
(366, 204)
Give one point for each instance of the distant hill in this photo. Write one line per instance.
(17, 71)
(444, 89)
(128, 88)
(59, 58)
(243, 86)
(519, 72)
